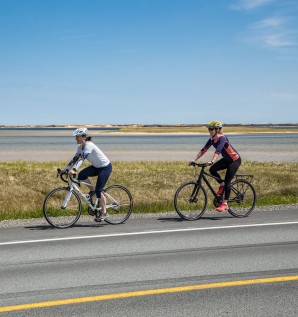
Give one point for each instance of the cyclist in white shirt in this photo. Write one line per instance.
(101, 167)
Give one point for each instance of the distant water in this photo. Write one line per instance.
(48, 145)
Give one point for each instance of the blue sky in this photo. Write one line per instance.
(148, 61)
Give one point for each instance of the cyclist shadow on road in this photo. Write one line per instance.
(178, 219)
(45, 227)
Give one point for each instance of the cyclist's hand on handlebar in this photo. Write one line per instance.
(208, 163)
(72, 173)
(191, 163)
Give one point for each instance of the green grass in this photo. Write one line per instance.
(24, 185)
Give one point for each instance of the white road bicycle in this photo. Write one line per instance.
(62, 206)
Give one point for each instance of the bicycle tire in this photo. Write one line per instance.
(53, 210)
(242, 198)
(190, 201)
(119, 204)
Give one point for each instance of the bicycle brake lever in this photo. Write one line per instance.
(58, 172)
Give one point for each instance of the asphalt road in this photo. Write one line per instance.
(160, 266)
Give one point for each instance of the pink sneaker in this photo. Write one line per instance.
(223, 206)
(220, 190)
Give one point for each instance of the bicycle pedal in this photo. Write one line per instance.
(96, 219)
(91, 212)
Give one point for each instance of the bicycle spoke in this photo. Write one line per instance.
(61, 208)
(190, 201)
(119, 204)
(242, 199)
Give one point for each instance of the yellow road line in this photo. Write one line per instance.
(148, 292)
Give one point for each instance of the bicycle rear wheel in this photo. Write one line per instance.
(242, 199)
(119, 204)
(62, 208)
(190, 201)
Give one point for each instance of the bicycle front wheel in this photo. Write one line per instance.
(62, 208)
(242, 199)
(190, 201)
(119, 204)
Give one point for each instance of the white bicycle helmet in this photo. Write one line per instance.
(80, 131)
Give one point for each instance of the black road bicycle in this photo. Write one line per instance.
(62, 206)
(191, 199)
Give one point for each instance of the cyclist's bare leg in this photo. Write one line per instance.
(102, 203)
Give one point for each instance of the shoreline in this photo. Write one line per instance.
(184, 133)
(46, 145)
(146, 130)
(137, 125)
(53, 132)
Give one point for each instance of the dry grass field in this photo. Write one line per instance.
(23, 185)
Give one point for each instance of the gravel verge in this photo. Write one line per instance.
(42, 221)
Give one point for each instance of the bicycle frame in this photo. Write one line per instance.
(116, 199)
(202, 176)
(74, 187)
(191, 197)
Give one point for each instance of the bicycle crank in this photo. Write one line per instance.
(217, 201)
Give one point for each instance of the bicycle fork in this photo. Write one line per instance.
(66, 199)
(193, 198)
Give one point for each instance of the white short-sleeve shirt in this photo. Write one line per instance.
(93, 154)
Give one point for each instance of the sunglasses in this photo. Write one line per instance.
(211, 129)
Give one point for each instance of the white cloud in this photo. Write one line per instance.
(277, 32)
(268, 23)
(278, 40)
(273, 33)
(248, 5)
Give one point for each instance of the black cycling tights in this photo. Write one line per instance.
(231, 168)
(103, 174)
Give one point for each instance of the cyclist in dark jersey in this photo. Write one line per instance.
(230, 160)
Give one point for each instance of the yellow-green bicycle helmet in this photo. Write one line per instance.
(214, 124)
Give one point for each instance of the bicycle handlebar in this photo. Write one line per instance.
(64, 175)
(199, 164)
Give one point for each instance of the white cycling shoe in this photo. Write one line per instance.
(101, 217)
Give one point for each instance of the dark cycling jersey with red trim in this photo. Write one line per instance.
(223, 147)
